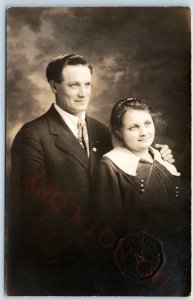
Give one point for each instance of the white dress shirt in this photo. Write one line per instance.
(70, 120)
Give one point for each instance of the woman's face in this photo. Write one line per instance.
(138, 130)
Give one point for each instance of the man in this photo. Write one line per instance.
(53, 158)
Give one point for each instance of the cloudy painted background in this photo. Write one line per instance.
(135, 51)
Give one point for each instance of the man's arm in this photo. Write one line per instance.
(27, 157)
(22, 207)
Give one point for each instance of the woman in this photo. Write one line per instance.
(136, 199)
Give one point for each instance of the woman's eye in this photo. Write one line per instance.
(148, 123)
(133, 127)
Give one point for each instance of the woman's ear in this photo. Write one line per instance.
(53, 86)
(118, 135)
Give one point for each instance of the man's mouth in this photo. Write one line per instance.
(80, 101)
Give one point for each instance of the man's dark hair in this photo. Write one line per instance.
(57, 64)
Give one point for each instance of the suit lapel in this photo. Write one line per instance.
(65, 139)
(94, 145)
(93, 141)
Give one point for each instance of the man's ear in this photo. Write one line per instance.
(53, 86)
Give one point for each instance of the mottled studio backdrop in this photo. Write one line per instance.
(135, 51)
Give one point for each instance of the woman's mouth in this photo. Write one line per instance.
(144, 139)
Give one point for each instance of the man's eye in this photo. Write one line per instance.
(87, 84)
(73, 84)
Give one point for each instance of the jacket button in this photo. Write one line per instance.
(142, 180)
(142, 185)
(94, 149)
(142, 190)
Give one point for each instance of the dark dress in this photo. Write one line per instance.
(142, 215)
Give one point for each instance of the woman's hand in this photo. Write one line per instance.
(166, 153)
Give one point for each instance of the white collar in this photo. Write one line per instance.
(65, 115)
(70, 119)
(128, 162)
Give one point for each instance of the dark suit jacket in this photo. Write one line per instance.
(49, 206)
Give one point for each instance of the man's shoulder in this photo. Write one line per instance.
(35, 129)
(38, 124)
(39, 121)
(97, 125)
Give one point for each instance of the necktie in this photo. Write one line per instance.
(83, 135)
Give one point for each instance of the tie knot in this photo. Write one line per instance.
(80, 123)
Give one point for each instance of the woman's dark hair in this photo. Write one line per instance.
(57, 64)
(122, 107)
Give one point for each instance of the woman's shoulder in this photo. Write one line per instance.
(123, 159)
(106, 161)
(107, 165)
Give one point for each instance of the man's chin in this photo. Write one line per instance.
(82, 107)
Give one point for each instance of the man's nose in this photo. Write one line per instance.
(82, 91)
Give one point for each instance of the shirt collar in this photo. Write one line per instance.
(128, 162)
(69, 119)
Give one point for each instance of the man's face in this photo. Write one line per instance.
(73, 93)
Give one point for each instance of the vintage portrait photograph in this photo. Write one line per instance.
(98, 151)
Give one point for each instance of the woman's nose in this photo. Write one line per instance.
(143, 131)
